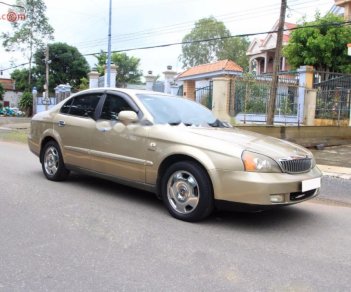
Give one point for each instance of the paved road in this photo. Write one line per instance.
(86, 234)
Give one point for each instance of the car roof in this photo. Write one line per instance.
(124, 90)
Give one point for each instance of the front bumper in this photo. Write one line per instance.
(255, 188)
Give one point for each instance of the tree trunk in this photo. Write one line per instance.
(30, 72)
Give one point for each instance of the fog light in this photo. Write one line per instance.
(277, 198)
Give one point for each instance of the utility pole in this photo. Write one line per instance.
(276, 64)
(109, 47)
(47, 98)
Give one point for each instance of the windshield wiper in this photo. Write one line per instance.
(216, 124)
(219, 124)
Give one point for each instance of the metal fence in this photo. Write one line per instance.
(158, 86)
(203, 95)
(249, 98)
(333, 96)
(180, 90)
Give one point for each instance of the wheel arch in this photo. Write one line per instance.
(168, 161)
(43, 143)
(49, 135)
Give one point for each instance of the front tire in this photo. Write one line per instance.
(52, 162)
(187, 191)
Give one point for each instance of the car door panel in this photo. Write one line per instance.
(118, 149)
(75, 125)
(75, 137)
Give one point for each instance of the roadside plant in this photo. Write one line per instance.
(2, 92)
(26, 103)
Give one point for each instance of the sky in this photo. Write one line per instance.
(145, 23)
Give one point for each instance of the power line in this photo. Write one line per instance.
(12, 5)
(207, 40)
(13, 67)
(221, 38)
(180, 27)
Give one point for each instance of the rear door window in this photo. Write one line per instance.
(82, 105)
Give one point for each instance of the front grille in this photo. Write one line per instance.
(296, 165)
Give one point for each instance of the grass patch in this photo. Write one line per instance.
(19, 136)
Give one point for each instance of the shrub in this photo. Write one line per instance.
(26, 103)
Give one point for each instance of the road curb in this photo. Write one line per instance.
(335, 171)
(5, 129)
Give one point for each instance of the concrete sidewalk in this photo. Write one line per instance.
(332, 161)
(335, 171)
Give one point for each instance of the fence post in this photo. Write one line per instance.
(169, 79)
(113, 75)
(189, 89)
(149, 80)
(220, 98)
(93, 79)
(305, 84)
(310, 107)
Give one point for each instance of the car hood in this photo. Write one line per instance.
(224, 140)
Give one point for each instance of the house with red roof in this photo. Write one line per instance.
(11, 96)
(7, 83)
(201, 75)
(261, 51)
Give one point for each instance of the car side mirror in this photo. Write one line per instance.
(127, 117)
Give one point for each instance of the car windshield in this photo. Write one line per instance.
(177, 110)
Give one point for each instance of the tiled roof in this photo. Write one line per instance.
(289, 25)
(263, 42)
(223, 65)
(286, 35)
(7, 84)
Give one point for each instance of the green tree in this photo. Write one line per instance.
(102, 59)
(323, 46)
(196, 53)
(127, 67)
(235, 50)
(30, 34)
(2, 92)
(84, 83)
(26, 103)
(21, 78)
(67, 65)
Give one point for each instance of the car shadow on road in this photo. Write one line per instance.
(291, 217)
(110, 188)
(282, 217)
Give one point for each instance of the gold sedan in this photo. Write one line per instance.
(173, 147)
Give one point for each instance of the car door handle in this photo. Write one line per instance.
(103, 129)
(61, 123)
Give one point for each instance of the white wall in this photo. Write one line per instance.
(12, 97)
(202, 83)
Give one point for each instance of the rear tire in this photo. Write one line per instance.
(187, 191)
(52, 162)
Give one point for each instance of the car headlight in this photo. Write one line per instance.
(259, 163)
